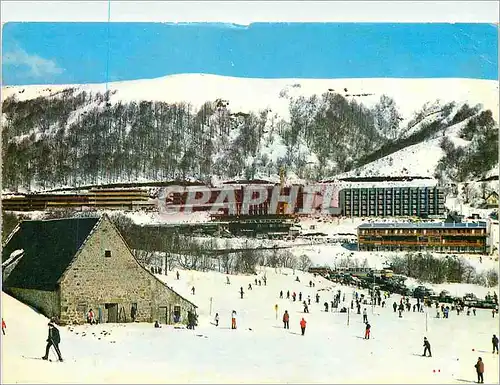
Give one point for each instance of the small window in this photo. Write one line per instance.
(107, 253)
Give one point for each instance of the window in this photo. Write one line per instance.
(107, 253)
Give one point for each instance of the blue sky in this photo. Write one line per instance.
(54, 53)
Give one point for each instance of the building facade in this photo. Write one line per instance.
(436, 237)
(66, 267)
(392, 201)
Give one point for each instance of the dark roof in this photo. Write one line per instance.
(49, 247)
(421, 225)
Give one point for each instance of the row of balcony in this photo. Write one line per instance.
(413, 243)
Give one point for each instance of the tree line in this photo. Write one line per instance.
(77, 138)
(426, 267)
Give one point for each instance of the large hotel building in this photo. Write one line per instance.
(392, 201)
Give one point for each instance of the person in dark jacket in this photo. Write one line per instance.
(480, 370)
(427, 347)
(53, 339)
(494, 341)
(367, 331)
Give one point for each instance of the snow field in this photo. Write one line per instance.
(330, 351)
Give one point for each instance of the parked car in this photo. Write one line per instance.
(470, 299)
(421, 292)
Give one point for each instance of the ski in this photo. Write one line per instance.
(37, 358)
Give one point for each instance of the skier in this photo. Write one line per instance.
(317, 298)
(192, 290)
(493, 312)
(308, 299)
(306, 308)
(288, 294)
(3, 326)
(216, 319)
(365, 316)
(227, 280)
(367, 331)
(352, 304)
(157, 325)
(53, 339)
(249, 286)
(286, 320)
(480, 370)
(494, 341)
(331, 305)
(394, 306)
(233, 319)
(300, 296)
(294, 296)
(178, 275)
(427, 347)
(326, 306)
(474, 310)
(281, 294)
(303, 325)
(241, 292)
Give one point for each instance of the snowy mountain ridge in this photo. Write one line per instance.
(264, 128)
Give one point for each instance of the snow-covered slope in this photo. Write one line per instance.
(417, 160)
(259, 350)
(246, 94)
(274, 95)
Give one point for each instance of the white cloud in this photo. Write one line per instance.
(37, 65)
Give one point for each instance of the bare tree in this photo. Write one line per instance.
(304, 262)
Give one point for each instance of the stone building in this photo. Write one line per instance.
(65, 267)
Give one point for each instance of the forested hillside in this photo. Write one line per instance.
(76, 137)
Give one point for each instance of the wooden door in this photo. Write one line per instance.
(112, 312)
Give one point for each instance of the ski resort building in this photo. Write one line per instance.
(432, 236)
(392, 201)
(65, 267)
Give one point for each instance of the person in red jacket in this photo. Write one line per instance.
(3, 326)
(303, 325)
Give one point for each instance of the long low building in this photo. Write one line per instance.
(438, 237)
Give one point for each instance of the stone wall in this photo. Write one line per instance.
(95, 279)
(47, 302)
